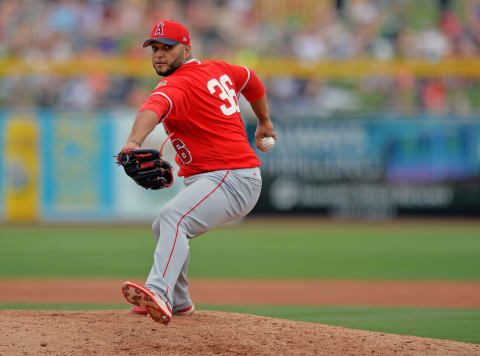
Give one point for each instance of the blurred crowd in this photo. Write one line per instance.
(307, 30)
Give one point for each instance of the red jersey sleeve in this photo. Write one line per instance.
(163, 99)
(247, 83)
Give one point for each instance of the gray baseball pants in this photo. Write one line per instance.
(208, 200)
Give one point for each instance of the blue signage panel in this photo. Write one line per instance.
(78, 166)
(376, 168)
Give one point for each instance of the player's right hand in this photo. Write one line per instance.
(264, 129)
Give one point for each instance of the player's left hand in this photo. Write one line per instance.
(130, 146)
(147, 168)
(264, 129)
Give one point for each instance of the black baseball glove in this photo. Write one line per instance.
(147, 168)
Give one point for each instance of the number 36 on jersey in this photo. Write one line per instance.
(223, 88)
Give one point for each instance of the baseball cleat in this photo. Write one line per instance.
(138, 310)
(147, 300)
(185, 311)
(182, 312)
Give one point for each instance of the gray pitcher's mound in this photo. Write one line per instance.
(33, 332)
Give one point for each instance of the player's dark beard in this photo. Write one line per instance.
(177, 63)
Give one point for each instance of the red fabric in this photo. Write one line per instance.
(161, 106)
(198, 107)
(171, 30)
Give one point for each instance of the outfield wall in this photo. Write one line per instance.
(60, 167)
(376, 168)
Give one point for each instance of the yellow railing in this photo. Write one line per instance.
(265, 67)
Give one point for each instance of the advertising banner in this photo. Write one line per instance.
(3, 168)
(78, 165)
(21, 167)
(372, 168)
(60, 167)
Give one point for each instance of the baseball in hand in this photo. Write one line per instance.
(268, 143)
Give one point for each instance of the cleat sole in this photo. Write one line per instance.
(142, 297)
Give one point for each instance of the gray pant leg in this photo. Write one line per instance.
(209, 199)
(181, 296)
(170, 253)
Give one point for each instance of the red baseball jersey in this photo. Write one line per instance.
(198, 106)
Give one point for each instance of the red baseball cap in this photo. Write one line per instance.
(168, 32)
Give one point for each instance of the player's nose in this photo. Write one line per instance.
(159, 54)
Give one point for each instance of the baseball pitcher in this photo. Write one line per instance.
(197, 103)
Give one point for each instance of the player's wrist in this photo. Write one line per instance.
(135, 142)
(264, 119)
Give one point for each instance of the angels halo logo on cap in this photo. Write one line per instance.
(169, 33)
(159, 29)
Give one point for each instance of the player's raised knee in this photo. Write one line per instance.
(168, 217)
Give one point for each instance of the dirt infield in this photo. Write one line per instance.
(114, 332)
(205, 333)
(259, 292)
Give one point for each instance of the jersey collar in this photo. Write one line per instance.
(193, 60)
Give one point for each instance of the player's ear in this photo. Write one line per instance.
(188, 52)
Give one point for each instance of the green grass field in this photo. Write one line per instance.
(251, 250)
(402, 251)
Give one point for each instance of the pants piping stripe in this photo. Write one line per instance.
(178, 225)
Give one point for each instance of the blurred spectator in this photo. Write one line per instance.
(434, 96)
(41, 31)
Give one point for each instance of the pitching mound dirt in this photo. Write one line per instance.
(25, 332)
